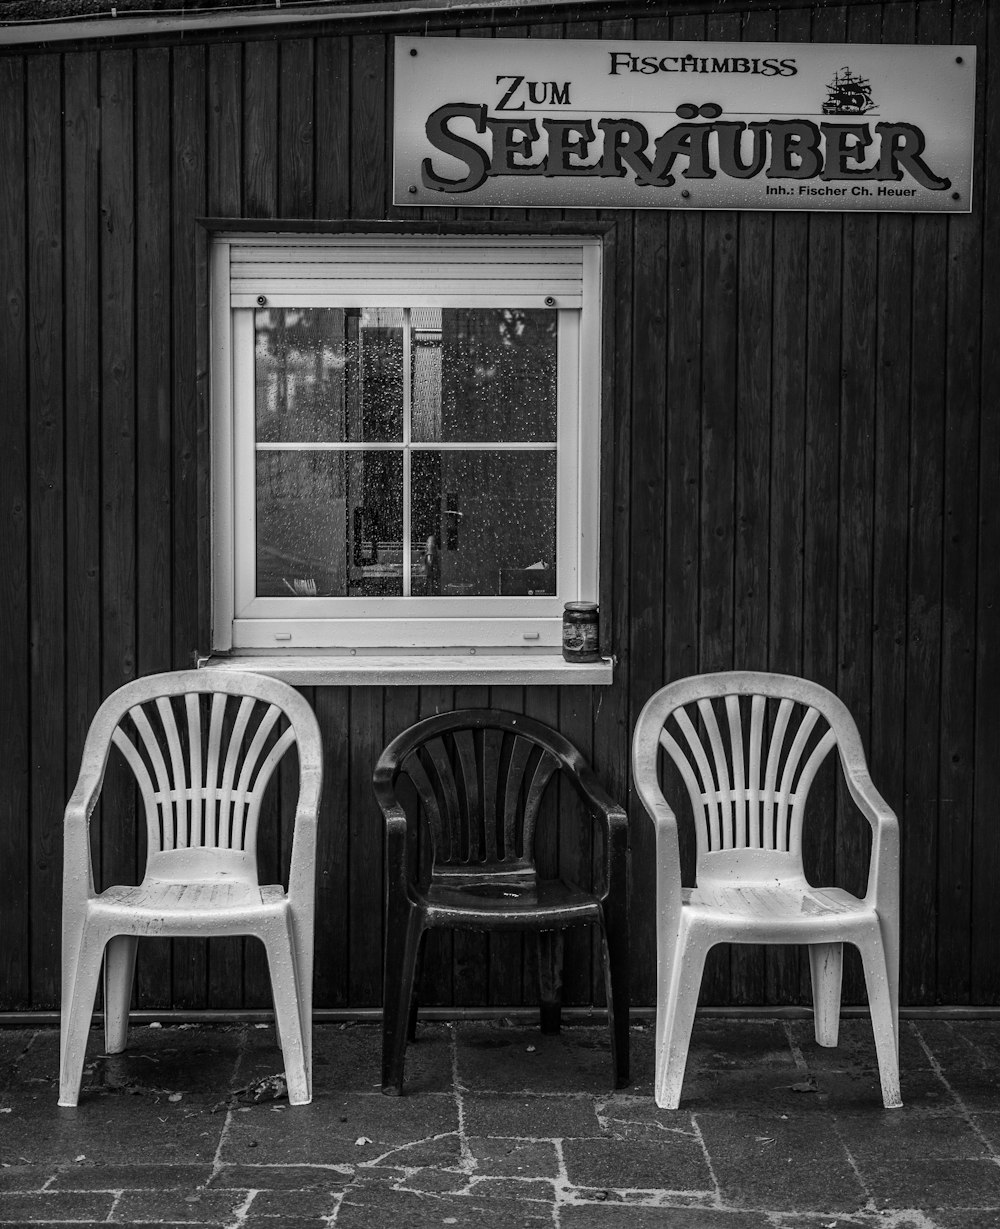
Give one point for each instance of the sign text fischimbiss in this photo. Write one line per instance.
(632, 124)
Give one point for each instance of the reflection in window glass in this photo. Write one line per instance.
(485, 375)
(329, 374)
(329, 524)
(486, 521)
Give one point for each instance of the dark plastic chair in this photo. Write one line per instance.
(476, 778)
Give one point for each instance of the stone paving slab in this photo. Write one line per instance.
(88, 1176)
(503, 1127)
(628, 1216)
(781, 1163)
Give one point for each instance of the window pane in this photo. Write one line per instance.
(329, 374)
(329, 524)
(484, 375)
(485, 522)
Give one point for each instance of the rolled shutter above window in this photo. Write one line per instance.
(402, 271)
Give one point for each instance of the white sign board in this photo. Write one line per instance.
(683, 125)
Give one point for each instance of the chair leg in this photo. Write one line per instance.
(411, 1019)
(883, 1013)
(826, 965)
(402, 952)
(285, 977)
(550, 963)
(82, 958)
(676, 1003)
(889, 927)
(119, 969)
(277, 1030)
(411, 1015)
(615, 956)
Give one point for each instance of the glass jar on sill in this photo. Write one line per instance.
(580, 632)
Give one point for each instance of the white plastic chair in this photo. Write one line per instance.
(748, 781)
(202, 747)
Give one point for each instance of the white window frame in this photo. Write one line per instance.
(244, 622)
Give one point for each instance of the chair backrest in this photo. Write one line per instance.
(747, 746)
(203, 746)
(479, 776)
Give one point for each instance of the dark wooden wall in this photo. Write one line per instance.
(805, 478)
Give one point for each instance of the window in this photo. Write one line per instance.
(405, 440)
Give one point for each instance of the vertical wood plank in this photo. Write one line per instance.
(958, 581)
(188, 180)
(333, 850)
(47, 510)
(685, 293)
(471, 950)
(260, 129)
(369, 177)
(506, 950)
(366, 837)
(402, 708)
(542, 703)
(153, 361)
(225, 129)
(577, 838)
(985, 938)
(437, 977)
(333, 127)
(81, 123)
(189, 199)
(921, 844)
(753, 416)
(296, 171)
(15, 619)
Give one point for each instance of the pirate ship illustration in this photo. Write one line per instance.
(848, 94)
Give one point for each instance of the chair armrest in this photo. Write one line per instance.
(302, 865)
(80, 808)
(397, 877)
(668, 858)
(76, 843)
(883, 869)
(600, 806)
(598, 802)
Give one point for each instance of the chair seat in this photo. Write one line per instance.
(179, 901)
(500, 904)
(773, 909)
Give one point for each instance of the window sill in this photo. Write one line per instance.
(413, 669)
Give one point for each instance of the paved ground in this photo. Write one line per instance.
(503, 1127)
